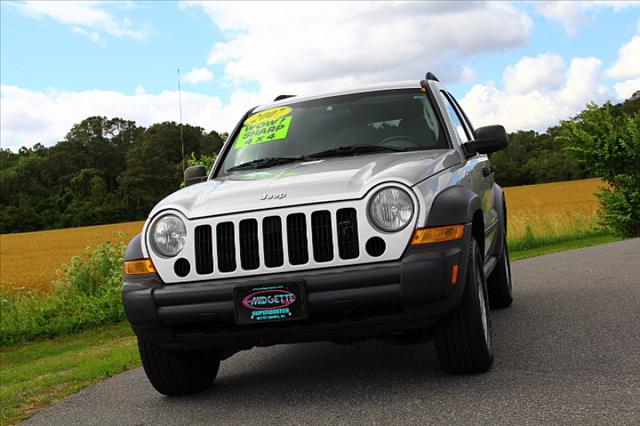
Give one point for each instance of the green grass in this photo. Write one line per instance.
(34, 375)
(533, 245)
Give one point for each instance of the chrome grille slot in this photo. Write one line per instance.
(204, 249)
(322, 236)
(347, 224)
(249, 251)
(226, 247)
(272, 241)
(297, 237)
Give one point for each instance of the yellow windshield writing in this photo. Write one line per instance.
(272, 125)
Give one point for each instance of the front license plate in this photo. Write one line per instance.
(269, 303)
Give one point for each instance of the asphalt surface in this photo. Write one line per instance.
(567, 351)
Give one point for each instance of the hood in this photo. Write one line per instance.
(323, 180)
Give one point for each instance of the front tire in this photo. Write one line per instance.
(463, 338)
(499, 282)
(176, 373)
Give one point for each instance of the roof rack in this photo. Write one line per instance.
(281, 97)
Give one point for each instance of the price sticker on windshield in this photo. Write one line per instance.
(265, 126)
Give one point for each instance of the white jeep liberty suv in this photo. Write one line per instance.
(368, 213)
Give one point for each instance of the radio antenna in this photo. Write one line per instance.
(181, 131)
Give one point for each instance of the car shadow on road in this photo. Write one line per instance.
(324, 371)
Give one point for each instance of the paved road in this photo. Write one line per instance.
(568, 351)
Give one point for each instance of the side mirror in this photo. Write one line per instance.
(487, 139)
(195, 174)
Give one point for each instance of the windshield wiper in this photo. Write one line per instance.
(354, 149)
(265, 162)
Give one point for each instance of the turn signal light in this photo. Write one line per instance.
(139, 267)
(437, 234)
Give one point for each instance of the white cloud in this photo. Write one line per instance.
(543, 105)
(628, 63)
(198, 75)
(91, 35)
(307, 46)
(88, 18)
(571, 14)
(530, 73)
(626, 88)
(46, 117)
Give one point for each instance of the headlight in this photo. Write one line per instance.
(391, 209)
(168, 235)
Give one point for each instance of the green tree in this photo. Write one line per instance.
(608, 144)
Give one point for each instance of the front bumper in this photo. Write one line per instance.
(344, 303)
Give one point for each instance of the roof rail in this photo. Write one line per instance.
(432, 76)
(281, 97)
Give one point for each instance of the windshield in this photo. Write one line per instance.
(398, 120)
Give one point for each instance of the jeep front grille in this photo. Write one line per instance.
(347, 222)
(266, 248)
(204, 250)
(249, 255)
(297, 237)
(226, 247)
(272, 238)
(322, 240)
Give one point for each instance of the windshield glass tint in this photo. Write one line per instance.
(399, 119)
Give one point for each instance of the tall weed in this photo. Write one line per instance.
(86, 295)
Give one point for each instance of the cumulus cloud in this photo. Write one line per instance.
(530, 73)
(544, 102)
(628, 62)
(35, 116)
(88, 18)
(198, 75)
(308, 46)
(571, 14)
(627, 68)
(626, 88)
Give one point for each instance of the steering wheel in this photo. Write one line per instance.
(405, 142)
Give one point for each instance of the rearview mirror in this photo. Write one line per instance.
(487, 139)
(195, 174)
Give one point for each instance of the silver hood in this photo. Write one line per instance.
(324, 180)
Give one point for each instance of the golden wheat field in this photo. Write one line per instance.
(31, 259)
(552, 209)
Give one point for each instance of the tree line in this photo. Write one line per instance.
(112, 170)
(104, 171)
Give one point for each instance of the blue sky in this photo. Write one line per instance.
(526, 65)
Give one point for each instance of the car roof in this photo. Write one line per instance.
(407, 84)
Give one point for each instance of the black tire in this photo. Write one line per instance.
(176, 373)
(463, 337)
(499, 281)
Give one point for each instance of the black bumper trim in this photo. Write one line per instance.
(344, 302)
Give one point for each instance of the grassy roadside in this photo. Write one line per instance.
(563, 245)
(34, 375)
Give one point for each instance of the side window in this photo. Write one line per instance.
(461, 128)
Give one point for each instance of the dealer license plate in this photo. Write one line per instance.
(269, 303)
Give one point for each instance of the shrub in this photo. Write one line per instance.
(87, 295)
(608, 144)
